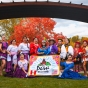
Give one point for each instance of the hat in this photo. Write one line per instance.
(77, 43)
(60, 39)
(43, 41)
(85, 41)
(52, 39)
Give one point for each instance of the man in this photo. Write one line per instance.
(59, 45)
(66, 49)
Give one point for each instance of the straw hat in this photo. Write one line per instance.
(52, 39)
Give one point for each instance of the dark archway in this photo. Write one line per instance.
(44, 9)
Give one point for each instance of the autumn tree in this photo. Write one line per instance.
(34, 27)
(7, 26)
(84, 38)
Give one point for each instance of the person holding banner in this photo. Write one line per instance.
(3, 53)
(22, 68)
(43, 50)
(11, 58)
(34, 47)
(68, 72)
(52, 46)
(24, 48)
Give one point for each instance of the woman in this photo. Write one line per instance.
(68, 72)
(77, 56)
(11, 58)
(34, 47)
(43, 50)
(24, 48)
(3, 53)
(85, 56)
(53, 48)
(22, 68)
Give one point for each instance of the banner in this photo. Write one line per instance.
(44, 65)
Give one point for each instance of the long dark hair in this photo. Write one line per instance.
(26, 38)
(12, 41)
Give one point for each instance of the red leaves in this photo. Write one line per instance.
(34, 27)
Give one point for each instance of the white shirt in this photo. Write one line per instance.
(12, 49)
(64, 52)
(24, 47)
(22, 64)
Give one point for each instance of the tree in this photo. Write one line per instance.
(75, 38)
(84, 38)
(34, 27)
(7, 26)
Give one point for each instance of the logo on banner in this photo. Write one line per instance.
(44, 66)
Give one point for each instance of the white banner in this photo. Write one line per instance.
(44, 65)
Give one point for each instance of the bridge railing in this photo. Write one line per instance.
(14, 1)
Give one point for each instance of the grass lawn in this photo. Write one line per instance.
(41, 82)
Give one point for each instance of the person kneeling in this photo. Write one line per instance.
(21, 70)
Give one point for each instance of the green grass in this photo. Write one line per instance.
(41, 82)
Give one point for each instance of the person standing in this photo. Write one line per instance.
(3, 53)
(43, 50)
(85, 56)
(34, 47)
(11, 58)
(24, 48)
(52, 46)
(66, 49)
(77, 58)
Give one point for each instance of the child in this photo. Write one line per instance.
(21, 70)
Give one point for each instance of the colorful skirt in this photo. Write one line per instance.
(9, 69)
(72, 75)
(19, 73)
(3, 56)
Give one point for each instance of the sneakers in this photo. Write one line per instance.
(60, 74)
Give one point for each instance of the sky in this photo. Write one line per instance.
(68, 27)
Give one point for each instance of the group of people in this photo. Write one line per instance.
(15, 59)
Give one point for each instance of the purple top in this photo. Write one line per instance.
(53, 49)
(4, 45)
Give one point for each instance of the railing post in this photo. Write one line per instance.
(47, 0)
(13, 1)
(59, 1)
(81, 3)
(36, 0)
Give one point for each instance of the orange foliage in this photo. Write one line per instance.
(34, 27)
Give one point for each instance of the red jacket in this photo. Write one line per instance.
(33, 48)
